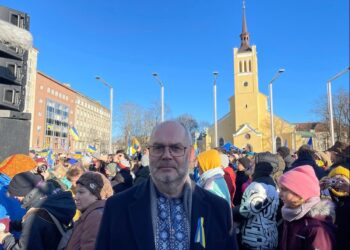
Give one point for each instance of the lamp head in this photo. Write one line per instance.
(97, 77)
(281, 71)
(215, 73)
(154, 74)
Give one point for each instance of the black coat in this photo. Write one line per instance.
(141, 175)
(127, 223)
(241, 178)
(38, 230)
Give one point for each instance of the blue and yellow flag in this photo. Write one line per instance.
(50, 158)
(135, 144)
(77, 155)
(44, 152)
(74, 133)
(200, 236)
(91, 149)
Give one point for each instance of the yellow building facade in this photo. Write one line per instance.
(248, 122)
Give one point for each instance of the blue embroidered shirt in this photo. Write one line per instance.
(172, 226)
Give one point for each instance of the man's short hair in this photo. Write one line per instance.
(187, 132)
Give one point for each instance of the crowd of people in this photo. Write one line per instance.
(169, 197)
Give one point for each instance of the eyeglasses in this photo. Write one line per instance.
(174, 150)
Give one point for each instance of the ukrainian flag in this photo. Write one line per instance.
(43, 153)
(77, 155)
(50, 158)
(200, 236)
(91, 149)
(74, 133)
(135, 144)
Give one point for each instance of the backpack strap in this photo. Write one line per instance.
(57, 223)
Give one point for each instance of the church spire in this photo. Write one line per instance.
(245, 34)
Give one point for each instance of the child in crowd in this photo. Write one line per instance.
(308, 219)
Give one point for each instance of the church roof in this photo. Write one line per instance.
(307, 126)
(246, 128)
(245, 34)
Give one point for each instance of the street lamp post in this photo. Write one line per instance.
(215, 73)
(330, 104)
(279, 72)
(155, 75)
(110, 107)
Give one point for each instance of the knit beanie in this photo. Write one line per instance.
(269, 158)
(209, 159)
(302, 181)
(245, 162)
(340, 170)
(21, 184)
(283, 151)
(224, 160)
(97, 184)
(262, 169)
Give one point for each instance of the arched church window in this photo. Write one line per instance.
(221, 142)
(250, 66)
(240, 67)
(278, 142)
(245, 66)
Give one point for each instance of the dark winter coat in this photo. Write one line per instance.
(86, 228)
(308, 160)
(314, 231)
(141, 175)
(38, 230)
(241, 178)
(342, 211)
(127, 223)
(288, 160)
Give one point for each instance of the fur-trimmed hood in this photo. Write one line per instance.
(323, 210)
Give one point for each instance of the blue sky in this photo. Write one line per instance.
(185, 41)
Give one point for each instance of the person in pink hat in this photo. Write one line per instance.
(308, 219)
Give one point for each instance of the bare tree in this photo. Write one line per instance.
(190, 122)
(341, 113)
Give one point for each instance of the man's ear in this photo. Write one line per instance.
(192, 154)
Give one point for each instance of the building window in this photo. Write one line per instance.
(250, 66)
(245, 84)
(245, 66)
(247, 136)
(278, 142)
(240, 67)
(221, 142)
(14, 19)
(41, 87)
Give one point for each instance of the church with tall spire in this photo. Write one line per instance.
(247, 125)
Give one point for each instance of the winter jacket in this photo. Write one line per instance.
(241, 178)
(230, 178)
(38, 230)
(86, 228)
(127, 221)
(308, 160)
(141, 175)
(314, 231)
(259, 207)
(288, 160)
(342, 211)
(213, 181)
